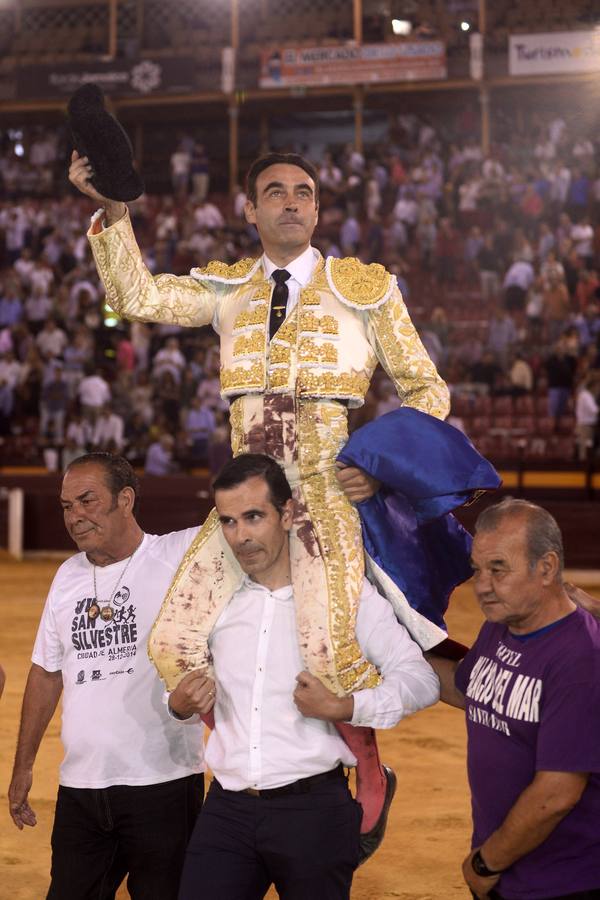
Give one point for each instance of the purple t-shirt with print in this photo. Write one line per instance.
(533, 705)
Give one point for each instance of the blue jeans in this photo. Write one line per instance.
(558, 397)
(102, 835)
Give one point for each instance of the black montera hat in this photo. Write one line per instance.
(98, 135)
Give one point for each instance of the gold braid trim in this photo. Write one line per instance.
(178, 641)
(237, 273)
(358, 285)
(337, 527)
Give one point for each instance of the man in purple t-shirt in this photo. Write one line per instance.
(530, 687)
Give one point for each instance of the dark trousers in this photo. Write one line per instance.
(101, 835)
(304, 844)
(594, 894)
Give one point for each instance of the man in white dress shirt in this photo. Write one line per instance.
(279, 810)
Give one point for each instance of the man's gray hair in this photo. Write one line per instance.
(543, 533)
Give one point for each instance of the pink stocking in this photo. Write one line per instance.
(370, 777)
(209, 719)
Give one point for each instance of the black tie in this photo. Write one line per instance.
(278, 300)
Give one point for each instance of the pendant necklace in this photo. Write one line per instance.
(106, 612)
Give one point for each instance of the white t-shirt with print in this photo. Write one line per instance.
(115, 725)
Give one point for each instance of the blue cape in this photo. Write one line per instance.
(427, 469)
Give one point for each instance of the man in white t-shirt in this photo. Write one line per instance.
(130, 783)
(279, 809)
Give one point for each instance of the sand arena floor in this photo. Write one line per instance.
(428, 830)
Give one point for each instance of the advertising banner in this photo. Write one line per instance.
(554, 53)
(353, 64)
(134, 78)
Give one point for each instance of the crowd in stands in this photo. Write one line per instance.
(498, 259)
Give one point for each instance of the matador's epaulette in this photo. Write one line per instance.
(357, 284)
(238, 273)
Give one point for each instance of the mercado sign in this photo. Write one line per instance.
(138, 78)
(353, 64)
(555, 52)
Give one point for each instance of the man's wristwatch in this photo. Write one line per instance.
(480, 868)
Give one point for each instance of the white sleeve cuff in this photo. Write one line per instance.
(191, 720)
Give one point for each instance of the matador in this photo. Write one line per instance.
(290, 388)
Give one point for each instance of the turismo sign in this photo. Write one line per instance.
(554, 53)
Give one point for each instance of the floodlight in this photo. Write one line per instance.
(401, 26)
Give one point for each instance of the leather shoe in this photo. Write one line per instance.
(370, 841)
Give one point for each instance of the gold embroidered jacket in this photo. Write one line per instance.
(350, 316)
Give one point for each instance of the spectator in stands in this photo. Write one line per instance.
(200, 173)
(586, 415)
(516, 284)
(30, 383)
(38, 307)
(11, 307)
(77, 354)
(24, 267)
(502, 336)
(51, 340)
(582, 235)
(588, 324)
(207, 215)
(448, 251)
(209, 389)
(93, 393)
(54, 406)
(7, 399)
(125, 354)
(521, 375)
(70, 451)
(489, 270)
(239, 203)
(79, 431)
(109, 430)
(560, 371)
(199, 423)
(586, 289)
(486, 372)
(167, 398)
(350, 236)
(140, 339)
(578, 195)
(555, 307)
(169, 359)
(180, 171)
(202, 243)
(10, 369)
(330, 175)
(41, 277)
(136, 438)
(546, 242)
(219, 443)
(159, 457)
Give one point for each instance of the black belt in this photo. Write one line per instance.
(302, 786)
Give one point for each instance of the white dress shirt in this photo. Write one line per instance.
(301, 270)
(260, 739)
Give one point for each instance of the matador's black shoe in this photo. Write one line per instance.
(370, 841)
